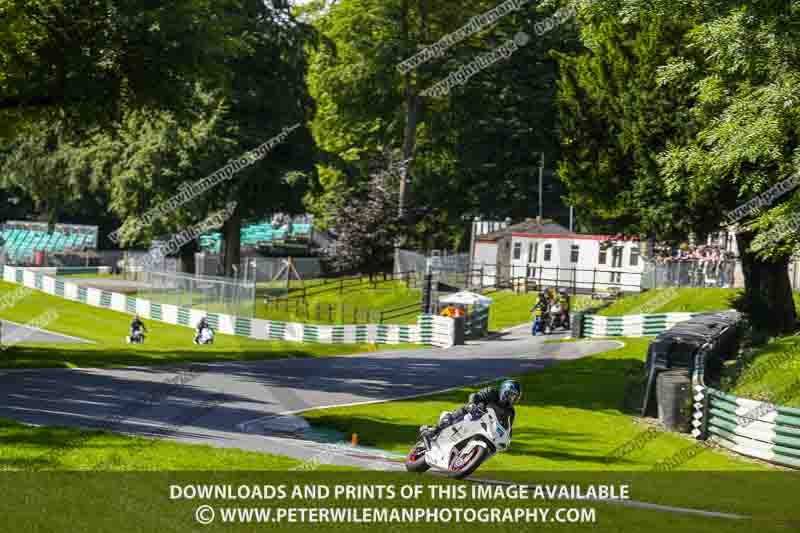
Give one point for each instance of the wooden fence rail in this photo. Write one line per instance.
(341, 313)
(344, 284)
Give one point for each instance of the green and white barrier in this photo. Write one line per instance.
(61, 271)
(748, 427)
(436, 330)
(429, 330)
(631, 325)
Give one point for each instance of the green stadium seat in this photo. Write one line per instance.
(254, 234)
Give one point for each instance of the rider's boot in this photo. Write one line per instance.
(425, 435)
(430, 433)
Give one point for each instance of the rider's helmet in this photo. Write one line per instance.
(562, 291)
(510, 392)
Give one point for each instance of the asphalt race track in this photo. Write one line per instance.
(13, 333)
(237, 404)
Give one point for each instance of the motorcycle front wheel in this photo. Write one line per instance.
(463, 464)
(415, 460)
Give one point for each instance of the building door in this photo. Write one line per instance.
(616, 262)
(533, 252)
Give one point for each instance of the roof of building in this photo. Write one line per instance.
(547, 229)
(529, 226)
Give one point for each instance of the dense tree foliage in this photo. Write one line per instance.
(367, 223)
(616, 120)
(476, 151)
(94, 58)
(722, 128)
(152, 98)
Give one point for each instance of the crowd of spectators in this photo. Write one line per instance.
(696, 266)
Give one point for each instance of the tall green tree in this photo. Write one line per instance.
(157, 127)
(475, 151)
(726, 132)
(616, 120)
(94, 58)
(746, 88)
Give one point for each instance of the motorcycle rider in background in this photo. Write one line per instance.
(200, 327)
(564, 301)
(137, 325)
(539, 311)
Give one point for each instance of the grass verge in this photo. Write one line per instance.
(166, 343)
(672, 301)
(29, 448)
(771, 373)
(326, 305)
(563, 421)
(511, 309)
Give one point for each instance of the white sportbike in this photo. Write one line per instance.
(136, 337)
(461, 448)
(206, 336)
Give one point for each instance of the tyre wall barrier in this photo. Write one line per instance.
(429, 330)
(693, 347)
(756, 429)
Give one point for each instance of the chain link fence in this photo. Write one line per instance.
(208, 293)
(697, 274)
(258, 269)
(450, 270)
(132, 263)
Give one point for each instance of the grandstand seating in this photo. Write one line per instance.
(262, 233)
(23, 239)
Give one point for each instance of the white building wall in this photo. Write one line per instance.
(582, 273)
(585, 274)
(485, 253)
(485, 258)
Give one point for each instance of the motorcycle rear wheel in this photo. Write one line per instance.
(415, 460)
(468, 464)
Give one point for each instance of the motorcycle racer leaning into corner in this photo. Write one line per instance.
(501, 399)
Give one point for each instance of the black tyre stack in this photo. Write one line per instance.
(674, 392)
(699, 345)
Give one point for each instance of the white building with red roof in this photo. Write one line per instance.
(552, 255)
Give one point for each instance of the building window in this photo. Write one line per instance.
(574, 252)
(634, 256)
(548, 251)
(530, 253)
(535, 256)
(616, 257)
(517, 250)
(603, 257)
